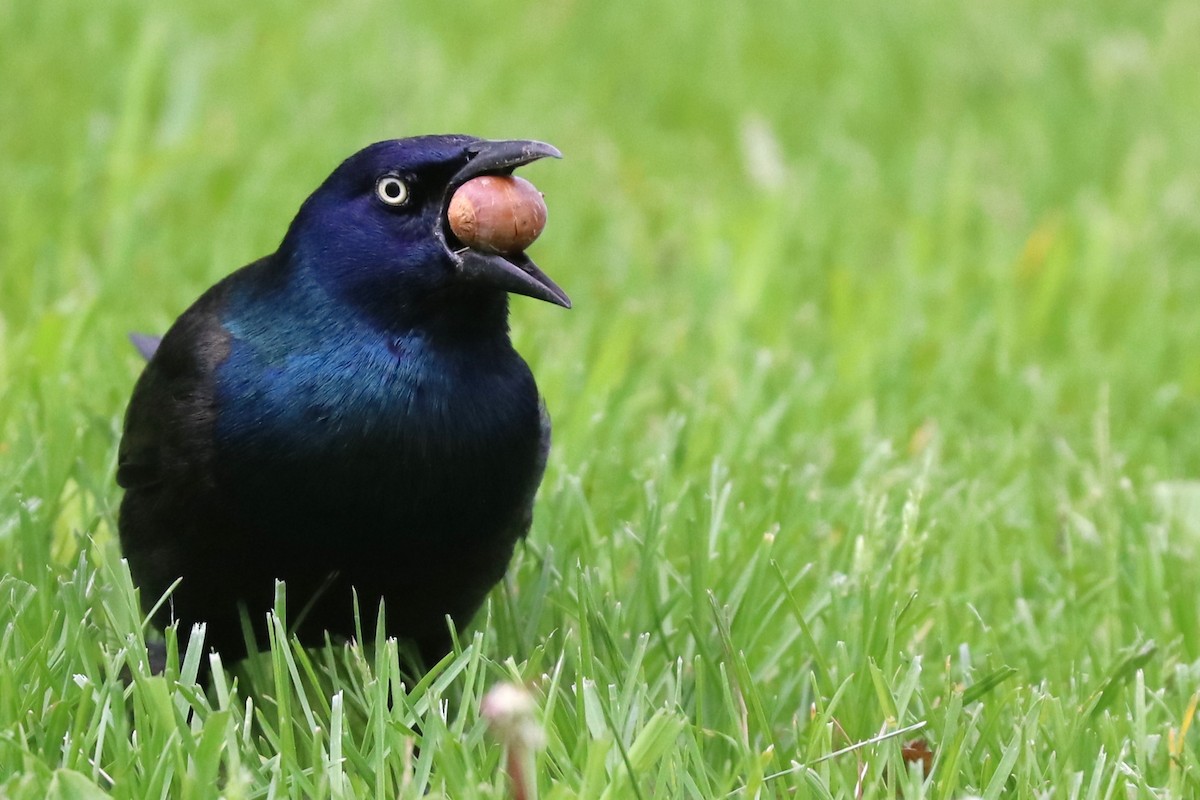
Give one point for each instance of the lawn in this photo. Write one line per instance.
(877, 418)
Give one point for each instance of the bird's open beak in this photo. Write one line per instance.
(514, 273)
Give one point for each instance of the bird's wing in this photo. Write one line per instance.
(168, 424)
(169, 421)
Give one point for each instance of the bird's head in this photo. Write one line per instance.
(376, 232)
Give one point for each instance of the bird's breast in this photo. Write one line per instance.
(380, 430)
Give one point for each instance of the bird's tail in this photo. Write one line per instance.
(146, 344)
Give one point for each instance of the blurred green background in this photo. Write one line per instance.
(923, 199)
(910, 288)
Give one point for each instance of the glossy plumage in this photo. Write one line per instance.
(346, 413)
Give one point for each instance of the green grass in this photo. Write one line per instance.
(879, 406)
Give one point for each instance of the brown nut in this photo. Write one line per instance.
(497, 213)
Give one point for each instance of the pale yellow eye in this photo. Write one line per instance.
(392, 190)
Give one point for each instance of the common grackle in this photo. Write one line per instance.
(346, 414)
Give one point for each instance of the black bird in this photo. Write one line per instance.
(345, 414)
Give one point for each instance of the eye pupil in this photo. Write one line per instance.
(392, 190)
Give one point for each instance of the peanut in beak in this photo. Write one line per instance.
(501, 214)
